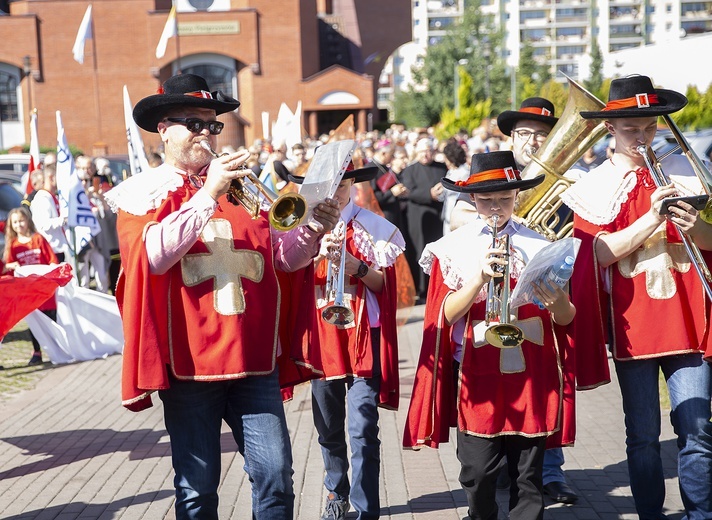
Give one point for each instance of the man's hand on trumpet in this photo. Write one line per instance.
(223, 170)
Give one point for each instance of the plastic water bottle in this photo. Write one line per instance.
(558, 276)
(562, 274)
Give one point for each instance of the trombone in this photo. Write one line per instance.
(338, 313)
(286, 211)
(500, 334)
(661, 179)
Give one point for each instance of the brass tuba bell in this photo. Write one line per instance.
(568, 140)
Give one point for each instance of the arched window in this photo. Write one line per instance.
(8, 97)
(218, 77)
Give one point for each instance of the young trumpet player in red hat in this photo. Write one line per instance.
(508, 404)
(358, 351)
(638, 292)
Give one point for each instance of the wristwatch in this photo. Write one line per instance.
(362, 270)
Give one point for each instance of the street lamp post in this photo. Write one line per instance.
(463, 62)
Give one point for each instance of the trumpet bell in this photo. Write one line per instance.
(287, 211)
(504, 335)
(338, 315)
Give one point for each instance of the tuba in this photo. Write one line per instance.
(568, 140)
(500, 334)
(286, 211)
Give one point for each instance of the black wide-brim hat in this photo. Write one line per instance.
(367, 173)
(532, 109)
(635, 96)
(182, 90)
(494, 171)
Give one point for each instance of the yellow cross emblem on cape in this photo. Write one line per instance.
(225, 265)
(655, 258)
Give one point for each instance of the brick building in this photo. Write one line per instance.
(263, 52)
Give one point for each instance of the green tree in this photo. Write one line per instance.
(557, 93)
(410, 108)
(595, 81)
(476, 40)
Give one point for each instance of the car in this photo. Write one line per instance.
(700, 142)
(10, 198)
(16, 162)
(120, 168)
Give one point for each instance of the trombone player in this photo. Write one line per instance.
(508, 403)
(632, 259)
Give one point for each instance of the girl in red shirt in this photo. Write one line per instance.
(25, 246)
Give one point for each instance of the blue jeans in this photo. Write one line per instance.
(329, 407)
(689, 383)
(553, 460)
(252, 407)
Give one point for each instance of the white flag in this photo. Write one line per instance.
(169, 31)
(73, 200)
(137, 153)
(83, 35)
(34, 154)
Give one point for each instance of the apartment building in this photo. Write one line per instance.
(560, 31)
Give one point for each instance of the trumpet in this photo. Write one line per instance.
(338, 313)
(500, 334)
(286, 211)
(693, 252)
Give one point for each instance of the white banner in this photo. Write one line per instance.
(137, 153)
(73, 201)
(88, 326)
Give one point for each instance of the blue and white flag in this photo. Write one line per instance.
(137, 153)
(73, 201)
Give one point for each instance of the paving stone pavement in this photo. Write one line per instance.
(68, 450)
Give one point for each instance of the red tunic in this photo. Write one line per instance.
(35, 252)
(485, 402)
(656, 281)
(213, 316)
(347, 351)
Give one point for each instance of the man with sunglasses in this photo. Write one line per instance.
(199, 299)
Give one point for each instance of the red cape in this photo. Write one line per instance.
(357, 360)
(297, 329)
(687, 309)
(438, 402)
(19, 296)
(144, 298)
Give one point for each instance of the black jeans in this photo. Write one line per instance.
(481, 459)
(51, 314)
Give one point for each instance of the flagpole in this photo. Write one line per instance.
(97, 105)
(178, 66)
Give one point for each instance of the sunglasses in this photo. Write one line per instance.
(196, 125)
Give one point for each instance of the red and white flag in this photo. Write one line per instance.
(169, 31)
(83, 34)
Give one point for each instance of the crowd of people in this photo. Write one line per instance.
(261, 298)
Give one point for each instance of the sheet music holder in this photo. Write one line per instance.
(325, 172)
